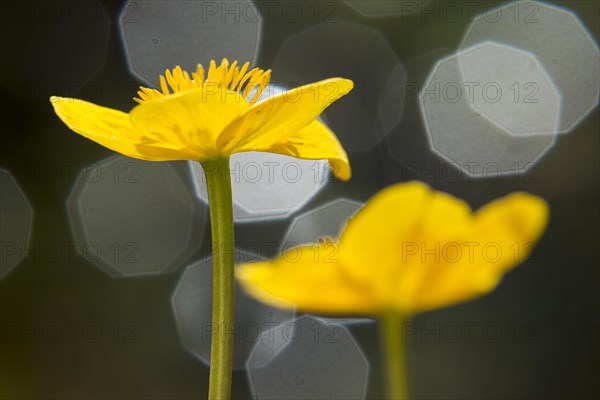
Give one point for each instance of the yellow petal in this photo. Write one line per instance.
(112, 129)
(421, 243)
(189, 120)
(278, 125)
(315, 142)
(309, 277)
(503, 234)
(513, 224)
(409, 249)
(394, 225)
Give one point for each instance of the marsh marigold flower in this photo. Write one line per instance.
(202, 118)
(410, 249)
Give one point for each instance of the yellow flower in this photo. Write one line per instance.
(410, 249)
(203, 119)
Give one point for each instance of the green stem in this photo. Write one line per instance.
(392, 347)
(218, 181)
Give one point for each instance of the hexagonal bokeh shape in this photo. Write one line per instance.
(131, 217)
(266, 185)
(393, 98)
(510, 87)
(162, 34)
(408, 152)
(324, 221)
(308, 359)
(192, 305)
(327, 220)
(16, 215)
(387, 8)
(50, 32)
(462, 135)
(558, 39)
(355, 52)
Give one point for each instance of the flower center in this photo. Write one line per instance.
(228, 77)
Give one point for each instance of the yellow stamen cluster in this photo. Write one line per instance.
(224, 76)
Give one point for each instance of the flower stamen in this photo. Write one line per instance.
(229, 77)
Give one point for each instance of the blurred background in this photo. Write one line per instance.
(105, 261)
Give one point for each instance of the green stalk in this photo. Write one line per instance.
(392, 347)
(218, 181)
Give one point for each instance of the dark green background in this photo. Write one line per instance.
(552, 300)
